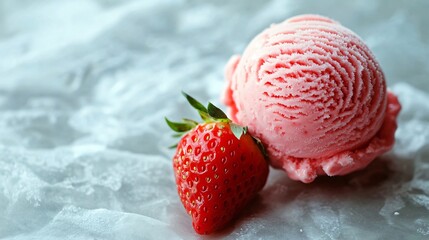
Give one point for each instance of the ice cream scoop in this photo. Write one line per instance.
(315, 95)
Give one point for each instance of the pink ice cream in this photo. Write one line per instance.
(315, 95)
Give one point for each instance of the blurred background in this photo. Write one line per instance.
(85, 85)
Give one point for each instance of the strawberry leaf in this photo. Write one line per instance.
(179, 127)
(194, 103)
(260, 146)
(173, 146)
(190, 121)
(197, 105)
(215, 112)
(177, 135)
(238, 130)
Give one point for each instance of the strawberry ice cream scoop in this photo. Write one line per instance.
(315, 95)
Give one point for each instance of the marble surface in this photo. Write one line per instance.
(84, 87)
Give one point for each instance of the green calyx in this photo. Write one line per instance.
(208, 114)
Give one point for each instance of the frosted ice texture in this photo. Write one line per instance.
(84, 87)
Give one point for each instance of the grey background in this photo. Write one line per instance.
(84, 87)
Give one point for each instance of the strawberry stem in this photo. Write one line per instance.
(211, 113)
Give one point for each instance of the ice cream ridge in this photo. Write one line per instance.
(315, 95)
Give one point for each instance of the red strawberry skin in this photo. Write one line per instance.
(217, 174)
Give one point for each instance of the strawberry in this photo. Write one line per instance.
(218, 167)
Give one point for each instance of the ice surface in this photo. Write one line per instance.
(84, 87)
